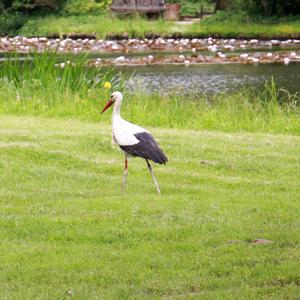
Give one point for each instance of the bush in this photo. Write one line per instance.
(192, 8)
(238, 17)
(31, 5)
(10, 24)
(50, 6)
(226, 17)
(76, 7)
(261, 7)
(271, 7)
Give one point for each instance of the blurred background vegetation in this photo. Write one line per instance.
(261, 7)
(16, 13)
(53, 6)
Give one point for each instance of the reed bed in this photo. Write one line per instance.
(44, 85)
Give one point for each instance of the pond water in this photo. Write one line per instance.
(212, 78)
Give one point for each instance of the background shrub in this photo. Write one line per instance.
(76, 7)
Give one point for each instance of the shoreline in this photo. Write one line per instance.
(181, 60)
(155, 35)
(133, 45)
(160, 51)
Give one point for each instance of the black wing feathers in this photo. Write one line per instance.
(147, 148)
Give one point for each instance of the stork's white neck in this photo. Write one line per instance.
(116, 111)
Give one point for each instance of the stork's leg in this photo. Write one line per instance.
(152, 174)
(125, 174)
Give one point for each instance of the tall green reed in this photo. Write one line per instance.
(270, 109)
(55, 86)
(46, 83)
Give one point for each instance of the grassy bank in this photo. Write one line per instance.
(67, 230)
(99, 25)
(38, 87)
(245, 30)
(242, 26)
(104, 26)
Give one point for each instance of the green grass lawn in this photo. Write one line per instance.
(103, 26)
(67, 228)
(246, 30)
(99, 25)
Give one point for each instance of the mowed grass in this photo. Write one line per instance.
(67, 230)
(220, 25)
(240, 25)
(246, 30)
(100, 25)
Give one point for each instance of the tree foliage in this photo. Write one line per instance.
(273, 7)
(261, 7)
(30, 5)
(68, 6)
(85, 6)
(254, 7)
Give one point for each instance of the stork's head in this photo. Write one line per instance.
(114, 97)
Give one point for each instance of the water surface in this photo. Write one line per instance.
(212, 78)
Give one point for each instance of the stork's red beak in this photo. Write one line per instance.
(107, 105)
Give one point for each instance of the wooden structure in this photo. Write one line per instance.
(140, 6)
(172, 11)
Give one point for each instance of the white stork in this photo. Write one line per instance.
(133, 140)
